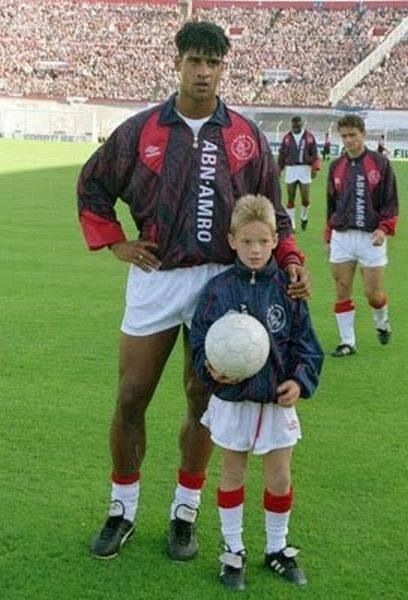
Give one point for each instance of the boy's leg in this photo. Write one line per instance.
(279, 557)
(230, 497)
(277, 497)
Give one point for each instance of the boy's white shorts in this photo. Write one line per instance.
(251, 427)
(356, 246)
(302, 173)
(160, 300)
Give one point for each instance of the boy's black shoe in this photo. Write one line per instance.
(284, 564)
(384, 335)
(182, 542)
(303, 224)
(232, 573)
(114, 534)
(343, 350)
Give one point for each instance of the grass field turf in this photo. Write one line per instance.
(61, 307)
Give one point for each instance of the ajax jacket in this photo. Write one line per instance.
(361, 194)
(295, 351)
(180, 189)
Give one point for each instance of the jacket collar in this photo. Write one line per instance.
(169, 116)
(269, 270)
(358, 158)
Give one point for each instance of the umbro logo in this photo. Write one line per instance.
(151, 151)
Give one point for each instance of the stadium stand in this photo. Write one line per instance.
(387, 85)
(280, 57)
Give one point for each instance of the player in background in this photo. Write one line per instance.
(362, 209)
(381, 146)
(298, 156)
(180, 167)
(257, 415)
(326, 146)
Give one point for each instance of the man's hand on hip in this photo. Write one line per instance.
(137, 252)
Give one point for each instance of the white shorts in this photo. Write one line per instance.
(251, 427)
(159, 300)
(353, 245)
(300, 173)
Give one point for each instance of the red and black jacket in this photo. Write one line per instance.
(305, 154)
(180, 191)
(361, 194)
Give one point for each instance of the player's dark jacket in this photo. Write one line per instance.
(180, 190)
(361, 194)
(295, 351)
(305, 154)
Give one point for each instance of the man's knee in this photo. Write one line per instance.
(376, 298)
(133, 399)
(197, 399)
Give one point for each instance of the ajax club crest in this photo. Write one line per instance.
(276, 318)
(243, 147)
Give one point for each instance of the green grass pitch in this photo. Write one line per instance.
(60, 311)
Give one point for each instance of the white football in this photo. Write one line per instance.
(237, 345)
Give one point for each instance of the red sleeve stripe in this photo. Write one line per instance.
(287, 253)
(316, 164)
(388, 226)
(100, 232)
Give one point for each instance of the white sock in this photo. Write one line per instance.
(276, 526)
(292, 214)
(187, 496)
(380, 316)
(128, 496)
(345, 323)
(304, 212)
(231, 527)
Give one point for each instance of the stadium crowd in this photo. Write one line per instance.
(387, 85)
(125, 51)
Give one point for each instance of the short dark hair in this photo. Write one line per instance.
(296, 119)
(202, 36)
(351, 121)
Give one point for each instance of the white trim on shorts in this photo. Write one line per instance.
(354, 245)
(250, 426)
(160, 300)
(301, 173)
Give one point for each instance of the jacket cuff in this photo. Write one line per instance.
(100, 232)
(388, 226)
(327, 234)
(287, 253)
(316, 165)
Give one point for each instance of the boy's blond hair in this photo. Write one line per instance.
(252, 208)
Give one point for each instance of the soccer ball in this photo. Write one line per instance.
(237, 345)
